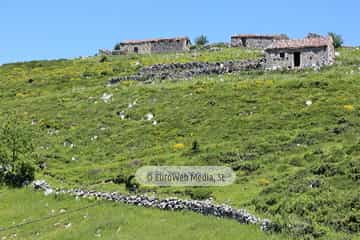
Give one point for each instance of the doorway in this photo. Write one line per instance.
(136, 50)
(297, 57)
(243, 42)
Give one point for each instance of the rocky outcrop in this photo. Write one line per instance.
(172, 204)
(189, 70)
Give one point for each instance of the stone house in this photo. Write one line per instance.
(160, 45)
(300, 53)
(255, 41)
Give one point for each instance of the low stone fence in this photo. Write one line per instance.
(171, 204)
(105, 52)
(189, 70)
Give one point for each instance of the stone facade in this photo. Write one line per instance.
(255, 41)
(161, 45)
(308, 52)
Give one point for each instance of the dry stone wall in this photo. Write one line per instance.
(172, 204)
(189, 70)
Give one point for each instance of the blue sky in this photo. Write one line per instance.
(45, 29)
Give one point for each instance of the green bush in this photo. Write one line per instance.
(130, 184)
(327, 169)
(201, 40)
(103, 59)
(245, 166)
(198, 193)
(337, 39)
(354, 170)
(15, 150)
(120, 179)
(117, 46)
(22, 174)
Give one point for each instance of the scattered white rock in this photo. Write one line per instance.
(62, 211)
(106, 97)
(94, 138)
(53, 132)
(122, 115)
(67, 225)
(155, 123)
(73, 159)
(33, 122)
(149, 116)
(67, 143)
(337, 54)
(133, 104)
(48, 191)
(40, 185)
(316, 68)
(308, 103)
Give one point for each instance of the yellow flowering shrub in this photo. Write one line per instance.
(263, 182)
(349, 107)
(179, 146)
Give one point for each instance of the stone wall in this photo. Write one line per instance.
(284, 58)
(172, 204)
(260, 43)
(141, 48)
(162, 46)
(257, 42)
(189, 70)
(171, 46)
(237, 42)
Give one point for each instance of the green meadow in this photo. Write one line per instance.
(291, 136)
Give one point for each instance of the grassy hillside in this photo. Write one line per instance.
(66, 218)
(297, 164)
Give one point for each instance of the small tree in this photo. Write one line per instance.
(117, 46)
(15, 151)
(337, 39)
(201, 40)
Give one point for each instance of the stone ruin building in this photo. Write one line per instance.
(255, 41)
(300, 53)
(160, 45)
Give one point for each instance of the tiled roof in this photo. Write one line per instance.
(301, 43)
(155, 40)
(259, 36)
